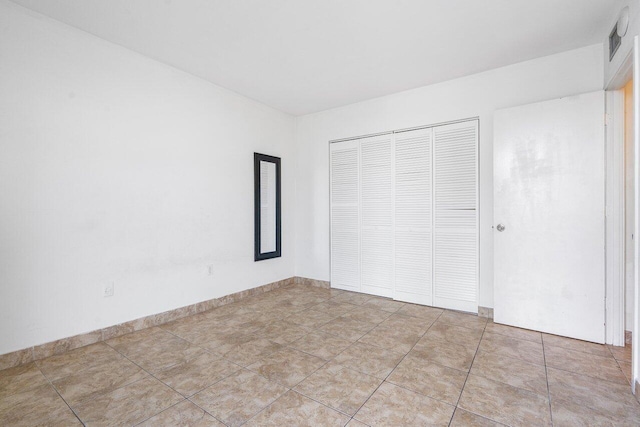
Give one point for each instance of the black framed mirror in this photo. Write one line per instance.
(267, 216)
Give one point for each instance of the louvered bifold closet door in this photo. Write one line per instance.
(413, 217)
(456, 216)
(376, 228)
(345, 224)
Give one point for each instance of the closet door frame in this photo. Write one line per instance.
(450, 304)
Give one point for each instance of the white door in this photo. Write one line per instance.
(376, 215)
(455, 209)
(345, 220)
(413, 217)
(548, 164)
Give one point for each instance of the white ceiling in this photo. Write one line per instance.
(304, 56)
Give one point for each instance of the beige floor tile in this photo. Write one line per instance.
(197, 373)
(421, 311)
(224, 341)
(569, 414)
(385, 304)
(338, 387)
(234, 309)
(521, 334)
(455, 334)
(37, 406)
(310, 318)
(453, 355)
(391, 339)
(293, 409)
(128, 405)
(156, 359)
(370, 360)
(100, 379)
(626, 370)
(621, 353)
(248, 322)
(238, 397)
(462, 418)
(245, 350)
(515, 372)
(75, 361)
(462, 319)
(20, 378)
(287, 366)
(430, 379)
(528, 351)
(352, 298)
(136, 341)
(604, 368)
(333, 308)
(504, 403)
(348, 328)
(184, 414)
(604, 397)
(391, 405)
(197, 329)
(282, 332)
(404, 323)
(290, 334)
(367, 314)
(577, 345)
(321, 344)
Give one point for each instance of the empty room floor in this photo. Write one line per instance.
(302, 355)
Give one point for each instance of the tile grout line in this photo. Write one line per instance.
(163, 383)
(281, 317)
(583, 373)
(257, 373)
(164, 410)
(468, 374)
(320, 367)
(58, 393)
(358, 340)
(546, 374)
(385, 379)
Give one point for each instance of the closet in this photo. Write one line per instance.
(404, 215)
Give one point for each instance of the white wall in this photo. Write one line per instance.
(114, 167)
(564, 74)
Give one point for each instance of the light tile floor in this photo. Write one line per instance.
(309, 356)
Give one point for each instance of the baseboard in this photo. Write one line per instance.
(627, 337)
(485, 312)
(312, 282)
(30, 354)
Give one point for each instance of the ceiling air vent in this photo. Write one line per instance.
(614, 42)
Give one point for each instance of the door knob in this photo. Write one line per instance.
(500, 227)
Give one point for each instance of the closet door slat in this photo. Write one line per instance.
(413, 217)
(376, 239)
(345, 221)
(456, 216)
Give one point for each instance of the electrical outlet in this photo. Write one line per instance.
(108, 290)
(210, 270)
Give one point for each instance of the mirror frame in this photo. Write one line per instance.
(258, 255)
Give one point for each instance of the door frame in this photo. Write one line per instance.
(614, 218)
(629, 69)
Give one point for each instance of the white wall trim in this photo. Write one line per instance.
(636, 183)
(614, 219)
